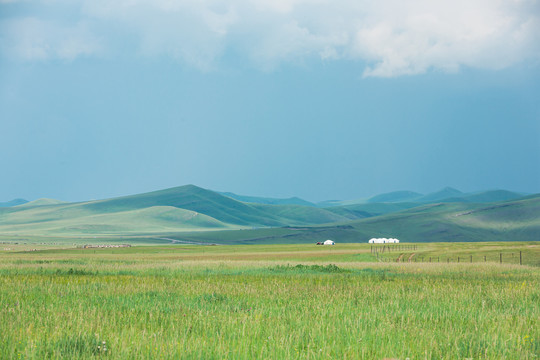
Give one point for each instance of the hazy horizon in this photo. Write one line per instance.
(320, 100)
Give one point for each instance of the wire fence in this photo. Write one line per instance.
(407, 254)
(393, 248)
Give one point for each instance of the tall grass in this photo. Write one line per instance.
(139, 307)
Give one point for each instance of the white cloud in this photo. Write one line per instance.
(31, 39)
(393, 37)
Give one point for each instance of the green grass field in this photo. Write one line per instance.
(268, 301)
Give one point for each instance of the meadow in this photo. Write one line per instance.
(269, 301)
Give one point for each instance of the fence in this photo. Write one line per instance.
(390, 248)
(501, 258)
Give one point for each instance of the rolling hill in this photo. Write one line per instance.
(440, 195)
(396, 196)
(154, 219)
(360, 211)
(517, 220)
(42, 202)
(485, 196)
(177, 209)
(447, 194)
(267, 201)
(191, 213)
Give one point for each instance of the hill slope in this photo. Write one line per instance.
(485, 196)
(187, 212)
(155, 219)
(396, 196)
(125, 214)
(267, 201)
(445, 193)
(42, 202)
(453, 222)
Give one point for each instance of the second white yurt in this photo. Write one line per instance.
(383, 241)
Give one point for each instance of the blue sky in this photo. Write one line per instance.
(317, 99)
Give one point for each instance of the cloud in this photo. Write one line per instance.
(448, 35)
(392, 37)
(32, 39)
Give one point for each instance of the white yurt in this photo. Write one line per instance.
(383, 241)
(329, 242)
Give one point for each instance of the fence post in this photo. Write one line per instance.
(484, 258)
(500, 258)
(520, 258)
(458, 259)
(447, 260)
(471, 258)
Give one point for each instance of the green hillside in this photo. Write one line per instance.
(184, 208)
(440, 195)
(42, 202)
(447, 194)
(335, 203)
(190, 213)
(360, 211)
(396, 196)
(447, 222)
(301, 215)
(267, 201)
(485, 196)
(155, 219)
(217, 206)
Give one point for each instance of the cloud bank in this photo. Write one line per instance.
(392, 37)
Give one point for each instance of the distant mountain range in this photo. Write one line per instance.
(447, 194)
(191, 213)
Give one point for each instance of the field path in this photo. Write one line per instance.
(410, 257)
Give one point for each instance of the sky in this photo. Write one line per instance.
(321, 99)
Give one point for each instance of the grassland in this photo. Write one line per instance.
(267, 301)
